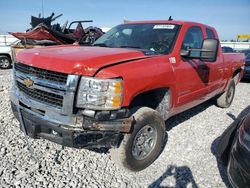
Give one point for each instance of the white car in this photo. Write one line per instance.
(5, 57)
(6, 41)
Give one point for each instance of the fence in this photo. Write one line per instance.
(237, 45)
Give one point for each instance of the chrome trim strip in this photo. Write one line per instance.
(72, 82)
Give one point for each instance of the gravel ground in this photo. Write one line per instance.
(188, 159)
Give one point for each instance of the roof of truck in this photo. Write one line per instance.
(178, 22)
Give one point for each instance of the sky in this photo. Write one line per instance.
(229, 17)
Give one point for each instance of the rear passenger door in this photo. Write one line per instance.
(216, 69)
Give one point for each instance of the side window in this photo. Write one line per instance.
(210, 33)
(193, 39)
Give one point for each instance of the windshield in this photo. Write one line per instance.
(150, 38)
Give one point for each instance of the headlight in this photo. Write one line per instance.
(100, 94)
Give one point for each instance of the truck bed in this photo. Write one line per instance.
(232, 61)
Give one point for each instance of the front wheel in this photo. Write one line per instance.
(226, 99)
(141, 148)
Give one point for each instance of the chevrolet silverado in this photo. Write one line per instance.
(118, 93)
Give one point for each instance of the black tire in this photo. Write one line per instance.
(5, 62)
(148, 122)
(226, 99)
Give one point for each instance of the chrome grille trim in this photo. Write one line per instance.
(66, 91)
(42, 73)
(41, 96)
(39, 81)
(41, 86)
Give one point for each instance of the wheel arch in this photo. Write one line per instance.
(236, 72)
(236, 75)
(158, 99)
(6, 54)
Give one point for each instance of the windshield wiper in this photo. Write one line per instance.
(150, 52)
(100, 44)
(138, 47)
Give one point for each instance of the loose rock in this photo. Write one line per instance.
(188, 159)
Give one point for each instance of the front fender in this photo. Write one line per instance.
(141, 75)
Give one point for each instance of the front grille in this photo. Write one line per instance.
(42, 73)
(41, 96)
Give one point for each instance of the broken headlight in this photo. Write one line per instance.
(100, 94)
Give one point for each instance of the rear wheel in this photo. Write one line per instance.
(142, 147)
(5, 62)
(226, 99)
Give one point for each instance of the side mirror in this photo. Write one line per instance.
(185, 53)
(209, 50)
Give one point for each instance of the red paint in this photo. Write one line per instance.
(75, 59)
(190, 82)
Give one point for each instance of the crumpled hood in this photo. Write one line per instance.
(72, 59)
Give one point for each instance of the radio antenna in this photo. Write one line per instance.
(42, 9)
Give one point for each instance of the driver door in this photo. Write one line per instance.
(192, 74)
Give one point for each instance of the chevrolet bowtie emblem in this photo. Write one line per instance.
(28, 82)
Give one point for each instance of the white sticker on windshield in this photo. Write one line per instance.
(164, 26)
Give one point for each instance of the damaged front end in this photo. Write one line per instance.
(47, 109)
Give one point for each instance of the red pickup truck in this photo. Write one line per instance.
(118, 93)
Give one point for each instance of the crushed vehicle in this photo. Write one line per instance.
(43, 30)
(43, 33)
(234, 152)
(118, 93)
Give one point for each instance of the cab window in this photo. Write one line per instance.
(193, 39)
(210, 33)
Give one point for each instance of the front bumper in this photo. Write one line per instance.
(37, 127)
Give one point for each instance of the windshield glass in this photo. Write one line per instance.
(150, 38)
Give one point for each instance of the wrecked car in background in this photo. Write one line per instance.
(43, 33)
